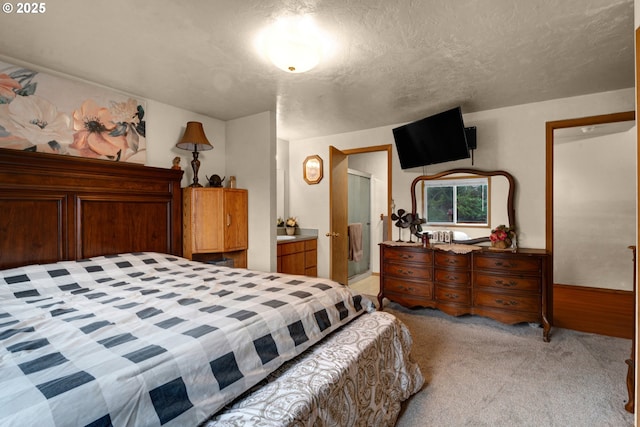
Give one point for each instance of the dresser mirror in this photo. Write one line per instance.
(500, 197)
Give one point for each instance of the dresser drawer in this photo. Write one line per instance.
(454, 277)
(507, 282)
(448, 259)
(506, 301)
(408, 271)
(507, 263)
(457, 295)
(408, 254)
(424, 290)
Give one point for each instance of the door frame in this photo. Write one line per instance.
(387, 148)
(562, 124)
(550, 128)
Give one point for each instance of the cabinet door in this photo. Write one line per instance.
(206, 213)
(236, 220)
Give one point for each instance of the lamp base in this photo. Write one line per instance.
(195, 165)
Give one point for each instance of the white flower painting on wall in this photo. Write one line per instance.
(46, 113)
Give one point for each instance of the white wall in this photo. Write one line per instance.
(282, 188)
(510, 138)
(165, 126)
(251, 158)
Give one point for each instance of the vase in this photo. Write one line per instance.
(501, 244)
(290, 231)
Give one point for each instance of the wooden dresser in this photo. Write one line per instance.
(510, 287)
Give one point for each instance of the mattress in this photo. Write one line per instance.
(152, 339)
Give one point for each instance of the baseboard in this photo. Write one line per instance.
(595, 310)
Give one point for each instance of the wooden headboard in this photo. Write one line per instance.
(56, 207)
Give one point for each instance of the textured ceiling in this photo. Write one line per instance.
(394, 61)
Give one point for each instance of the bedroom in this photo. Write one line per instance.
(523, 123)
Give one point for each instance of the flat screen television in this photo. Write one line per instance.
(435, 139)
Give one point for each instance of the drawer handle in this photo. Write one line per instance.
(452, 261)
(407, 272)
(503, 302)
(452, 277)
(506, 284)
(502, 264)
(451, 296)
(406, 256)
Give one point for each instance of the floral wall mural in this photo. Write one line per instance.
(46, 113)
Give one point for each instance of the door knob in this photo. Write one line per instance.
(333, 234)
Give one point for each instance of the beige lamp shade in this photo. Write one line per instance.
(194, 138)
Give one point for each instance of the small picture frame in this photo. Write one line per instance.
(312, 169)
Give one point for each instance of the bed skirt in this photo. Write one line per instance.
(358, 376)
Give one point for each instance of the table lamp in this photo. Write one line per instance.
(194, 140)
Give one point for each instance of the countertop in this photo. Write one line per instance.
(301, 235)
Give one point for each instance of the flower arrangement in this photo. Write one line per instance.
(290, 225)
(112, 129)
(280, 222)
(502, 237)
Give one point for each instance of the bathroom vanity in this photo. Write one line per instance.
(298, 255)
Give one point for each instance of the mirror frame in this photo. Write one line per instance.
(511, 212)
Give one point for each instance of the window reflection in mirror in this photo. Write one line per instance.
(459, 201)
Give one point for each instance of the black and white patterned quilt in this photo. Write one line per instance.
(151, 339)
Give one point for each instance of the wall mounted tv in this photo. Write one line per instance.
(434, 139)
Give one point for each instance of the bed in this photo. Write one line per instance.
(102, 322)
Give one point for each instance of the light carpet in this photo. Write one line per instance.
(480, 372)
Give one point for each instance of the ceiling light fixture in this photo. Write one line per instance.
(293, 44)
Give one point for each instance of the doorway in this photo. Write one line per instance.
(590, 170)
(590, 221)
(359, 216)
(375, 160)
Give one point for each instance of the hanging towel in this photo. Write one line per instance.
(355, 241)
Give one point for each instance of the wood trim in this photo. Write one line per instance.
(633, 362)
(594, 310)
